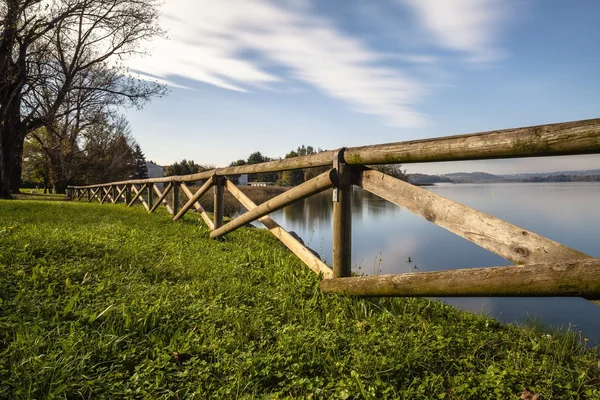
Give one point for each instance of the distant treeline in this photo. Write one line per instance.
(558, 178)
(281, 178)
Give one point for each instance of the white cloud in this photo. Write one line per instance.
(467, 26)
(236, 45)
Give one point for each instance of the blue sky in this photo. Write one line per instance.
(270, 76)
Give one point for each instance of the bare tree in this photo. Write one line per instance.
(109, 152)
(62, 59)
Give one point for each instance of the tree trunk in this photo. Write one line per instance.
(17, 166)
(5, 157)
(8, 133)
(60, 186)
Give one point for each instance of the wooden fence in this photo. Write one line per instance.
(543, 267)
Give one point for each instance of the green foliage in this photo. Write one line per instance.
(235, 178)
(110, 153)
(256, 158)
(186, 167)
(294, 177)
(141, 170)
(35, 163)
(103, 301)
(394, 170)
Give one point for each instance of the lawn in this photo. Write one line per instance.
(103, 301)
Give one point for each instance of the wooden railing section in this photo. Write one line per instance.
(543, 267)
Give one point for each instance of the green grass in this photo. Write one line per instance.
(37, 194)
(103, 301)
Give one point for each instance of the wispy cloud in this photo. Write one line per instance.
(237, 45)
(467, 26)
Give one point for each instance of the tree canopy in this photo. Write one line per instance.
(186, 167)
(61, 68)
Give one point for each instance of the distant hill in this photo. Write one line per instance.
(589, 172)
(592, 175)
(423, 178)
(473, 177)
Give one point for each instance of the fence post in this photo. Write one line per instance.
(176, 190)
(89, 194)
(114, 194)
(127, 194)
(342, 216)
(218, 200)
(150, 192)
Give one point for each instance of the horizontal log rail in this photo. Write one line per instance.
(566, 138)
(544, 267)
(577, 278)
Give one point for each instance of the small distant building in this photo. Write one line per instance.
(155, 171)
(261, 184)
(243, 180)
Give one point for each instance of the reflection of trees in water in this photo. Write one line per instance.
(317, 209)
(314, 210)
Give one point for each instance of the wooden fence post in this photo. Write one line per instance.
(128, 195)
(176, 190)
(218, 200)
(89, 194)
(150, 192)
(342, 217)
(114, 194)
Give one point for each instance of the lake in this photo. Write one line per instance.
(384, 236)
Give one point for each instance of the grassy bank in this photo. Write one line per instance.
(100, 301)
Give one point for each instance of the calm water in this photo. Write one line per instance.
(384, 236)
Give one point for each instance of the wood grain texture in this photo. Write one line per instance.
(176, 192)
(198, 207)
(342, 219)
(150, 196)
(218, 201)
(300, 250)
(314, 160)
(567, 138)
(576, 278)
(509, 241)
(308, 188)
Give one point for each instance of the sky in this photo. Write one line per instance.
(269, 76)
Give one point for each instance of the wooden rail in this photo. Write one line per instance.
(544, 267)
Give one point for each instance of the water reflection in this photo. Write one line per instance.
(385, 236)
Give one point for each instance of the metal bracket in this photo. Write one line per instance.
(338, 159)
